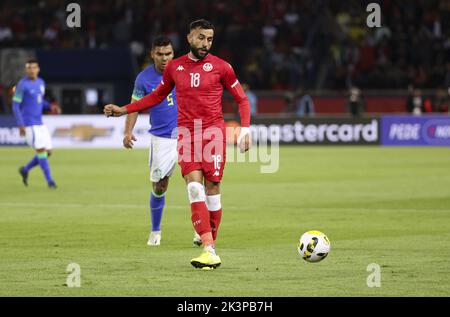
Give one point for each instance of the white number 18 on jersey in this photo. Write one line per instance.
(217, 160)
(195, 79)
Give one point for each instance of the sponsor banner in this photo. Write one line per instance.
(317, 131)
(97, 131)
(9, 132)
(81, 131)
(94, 131)
(416, 131)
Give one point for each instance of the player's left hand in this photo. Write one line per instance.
(244, 140)
(128, 140)
(114, 111)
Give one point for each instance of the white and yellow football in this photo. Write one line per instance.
(313, 246)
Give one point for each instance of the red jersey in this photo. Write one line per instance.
(199, 87)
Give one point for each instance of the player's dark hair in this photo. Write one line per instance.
(161, 40)
(32, 61)
(202, 24)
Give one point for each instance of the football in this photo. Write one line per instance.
(314, 246)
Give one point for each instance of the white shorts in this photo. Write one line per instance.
(38, 137)
(163, 157)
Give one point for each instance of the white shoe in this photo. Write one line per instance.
(197, 241)
(154, 238)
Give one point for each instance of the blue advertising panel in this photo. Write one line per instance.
(9, 132)
(415, 131)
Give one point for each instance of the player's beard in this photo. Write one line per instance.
(196, 52)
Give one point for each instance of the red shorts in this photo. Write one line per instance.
(209, 156)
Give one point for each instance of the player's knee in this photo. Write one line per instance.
(213, 202)
(159, 188)
(212, 188)
(196, 192)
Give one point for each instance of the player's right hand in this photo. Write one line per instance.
(22, 131)
(128, 140)
(114, 111)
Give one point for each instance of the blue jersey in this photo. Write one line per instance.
(29, 102)
(163, 117)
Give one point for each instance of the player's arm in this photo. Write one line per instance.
(231, 82)
(130, 121)
(152, 99)
(16, 105)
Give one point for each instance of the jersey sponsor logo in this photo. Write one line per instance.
(180, 68)
(207, 67)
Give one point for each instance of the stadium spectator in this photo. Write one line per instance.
(304, 104)
(6, 34)
(51, 34)
(441, 101)
(415, 102)
(428, 104)
(356, 104)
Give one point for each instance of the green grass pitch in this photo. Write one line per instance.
(389, 206)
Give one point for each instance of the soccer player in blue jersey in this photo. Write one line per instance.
(163, 136)
(28, 104)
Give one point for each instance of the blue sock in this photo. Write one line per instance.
(34, 161)
(43, 163)
(157, 203)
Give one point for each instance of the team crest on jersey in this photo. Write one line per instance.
(207, 67)
(42, 89)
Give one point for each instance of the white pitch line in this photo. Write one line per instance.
(144, 206)
(108, 206)
(53, 205)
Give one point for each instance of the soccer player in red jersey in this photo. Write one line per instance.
(199, 78)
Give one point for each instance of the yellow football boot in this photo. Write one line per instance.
(206, 259)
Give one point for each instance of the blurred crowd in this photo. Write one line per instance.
(273, 44)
